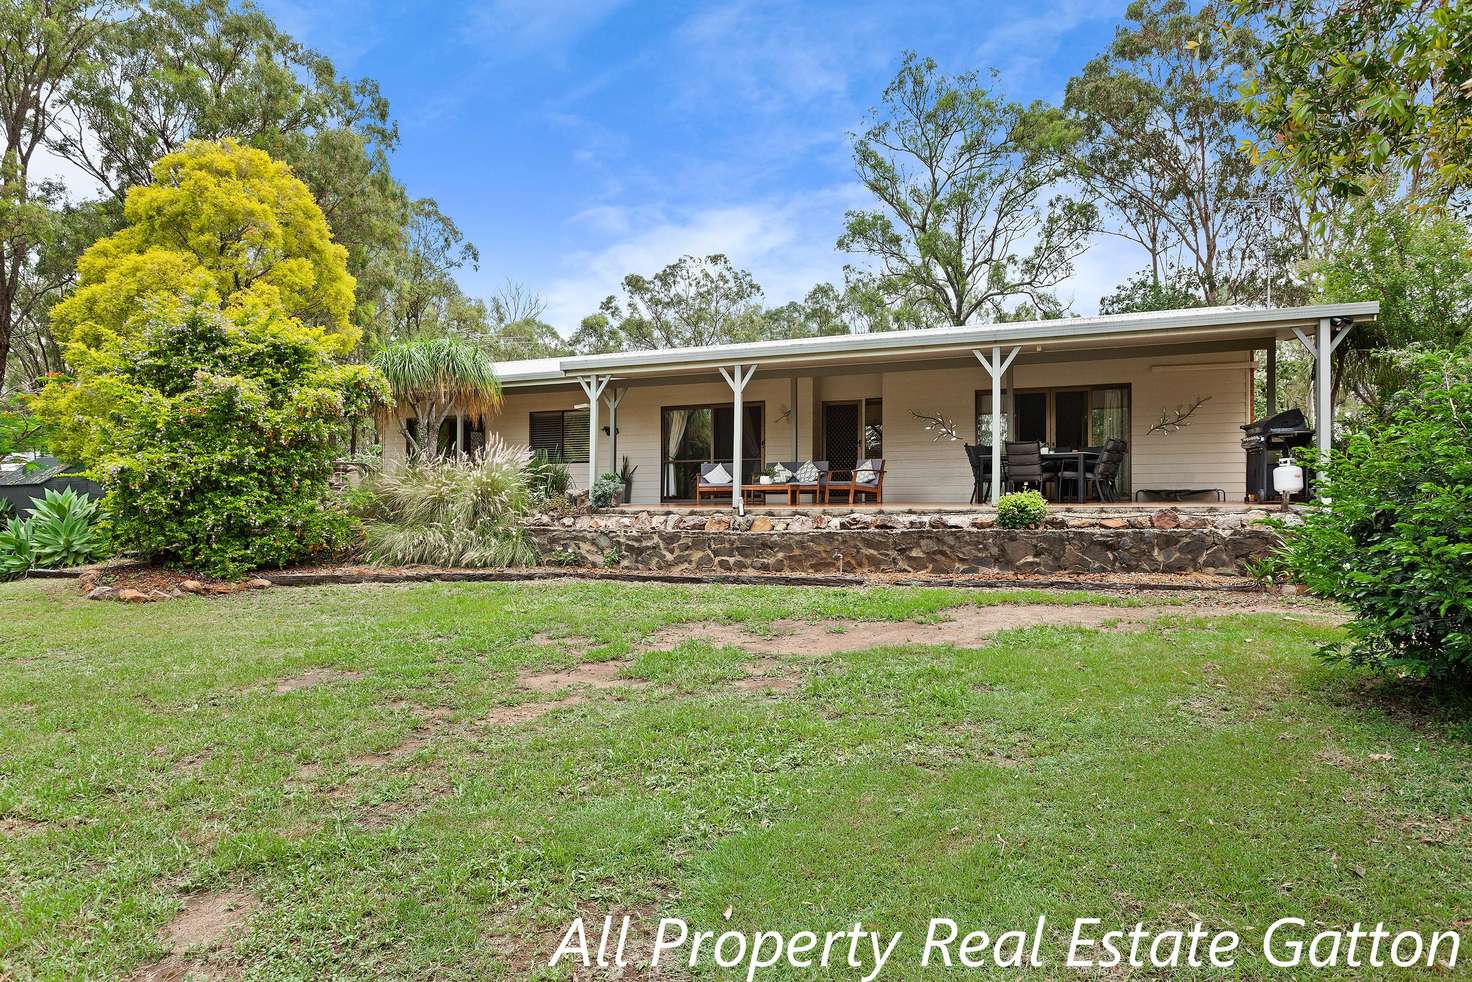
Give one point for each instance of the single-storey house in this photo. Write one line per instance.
(1066, 383)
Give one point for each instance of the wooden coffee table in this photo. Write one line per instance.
(752, 490)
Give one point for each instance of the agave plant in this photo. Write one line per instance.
(62, 531)
(17, 553)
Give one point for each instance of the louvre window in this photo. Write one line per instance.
(563, 433)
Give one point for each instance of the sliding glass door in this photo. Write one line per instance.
(695, 435)
(1064, 418)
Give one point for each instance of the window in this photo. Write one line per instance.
(873, 429)
(562, 433)
(695, 435)
(984, 418)
(1071, 418)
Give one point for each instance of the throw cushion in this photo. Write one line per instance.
(781, 475)
(866, 474)
(807, 473)
(718, 475)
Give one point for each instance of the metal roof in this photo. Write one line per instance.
(38, 471)
(1190, 324)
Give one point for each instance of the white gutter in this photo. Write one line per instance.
(943, 338)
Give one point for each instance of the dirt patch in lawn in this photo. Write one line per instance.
(203, 925)
(432, 720)
(315, 677)
(12, 825)
(573, 644)
(591, 675)
(768, 676)
(967, 626)
(526, 712)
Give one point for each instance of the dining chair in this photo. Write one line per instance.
(1101, 473)
(980, 458)
(1025, 466)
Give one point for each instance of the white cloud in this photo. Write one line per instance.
(46, 166)
(1019, 47)
(1108, 262)
(537, 24)
(786, 244)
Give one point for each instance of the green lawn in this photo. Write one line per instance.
(396, 820)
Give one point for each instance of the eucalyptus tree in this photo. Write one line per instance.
(969, 214)
(423, 287)
(1161, 151)
(44, 46)
(693, 301)
(432, 377)
(175, 70)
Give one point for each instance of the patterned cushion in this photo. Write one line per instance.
(807, 473)
(866, 474)
(717, 475)
(781, 475)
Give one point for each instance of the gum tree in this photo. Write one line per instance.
(962, 178)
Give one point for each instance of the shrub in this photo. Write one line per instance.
(64, 530)
(1393, 539)
(217, 433)
(548, 477)
(606, 490)
(1021, 510)
(451, 511)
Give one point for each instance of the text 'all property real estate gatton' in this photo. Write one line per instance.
(617, 942)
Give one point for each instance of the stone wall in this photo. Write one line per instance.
(1097, 541)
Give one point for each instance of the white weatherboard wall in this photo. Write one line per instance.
(1207, 452)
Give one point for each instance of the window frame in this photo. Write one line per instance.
(760, 461)
(561, 450)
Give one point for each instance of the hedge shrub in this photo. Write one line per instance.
(1021, 510)
(1394, 541)
(221, 441)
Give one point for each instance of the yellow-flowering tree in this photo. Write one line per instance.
(203, 388)
(222, 225)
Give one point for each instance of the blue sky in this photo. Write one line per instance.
(575, 142)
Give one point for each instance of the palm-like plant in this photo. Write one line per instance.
(432, 377)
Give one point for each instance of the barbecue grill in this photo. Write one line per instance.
(1266, 441)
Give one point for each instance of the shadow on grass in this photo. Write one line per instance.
(1437, 708)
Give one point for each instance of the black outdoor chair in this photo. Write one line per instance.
(1100, 476)
(980, 457)
(1024, 466)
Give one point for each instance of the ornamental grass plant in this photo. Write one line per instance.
(451, 511)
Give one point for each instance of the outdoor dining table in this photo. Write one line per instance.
(1055, 461)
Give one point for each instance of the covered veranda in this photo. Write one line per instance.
(660, 417)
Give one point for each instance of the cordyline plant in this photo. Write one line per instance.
(431, 378)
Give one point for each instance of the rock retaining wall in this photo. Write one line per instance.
(1165, 541)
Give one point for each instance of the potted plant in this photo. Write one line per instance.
(626, 474)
